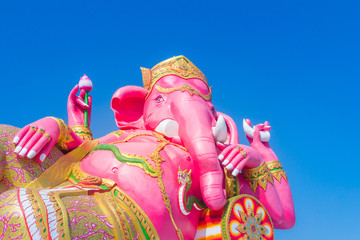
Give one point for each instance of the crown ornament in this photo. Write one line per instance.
(179, 66)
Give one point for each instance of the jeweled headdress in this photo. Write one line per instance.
(179, 66)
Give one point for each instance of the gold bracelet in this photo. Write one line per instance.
(83, 132)
(64, 134)
(277, 170)
(258, 176)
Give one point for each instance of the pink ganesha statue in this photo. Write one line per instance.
(173, 170)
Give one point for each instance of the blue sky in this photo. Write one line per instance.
(293, 63)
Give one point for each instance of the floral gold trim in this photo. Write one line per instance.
(231, 185)
(179, 66)
(83, 132)
(258, 176)
(146, 74)
(277, 170)
(251, 223)
(60, 171)
(123, 201)
(118, 133)
(83, 178)
(183, 88)
(64, 134)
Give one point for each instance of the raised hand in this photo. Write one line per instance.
(235, 157)
(258, 138)
(76, 107)
(37, 139)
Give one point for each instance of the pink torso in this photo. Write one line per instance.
(145, 189)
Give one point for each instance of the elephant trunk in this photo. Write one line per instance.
(195, 131)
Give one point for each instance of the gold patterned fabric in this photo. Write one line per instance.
(83, 132)
(71, 212)
(64, 134)
(183, 88)
(232, 186)
(16, 171)
(259, 176)
(277, 170)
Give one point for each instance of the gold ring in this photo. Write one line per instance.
(243, 153)
(47, 135)
(238, 147)
(41, 130)
(33, 128)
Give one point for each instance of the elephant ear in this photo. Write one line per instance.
(232, 135)
(128, 106)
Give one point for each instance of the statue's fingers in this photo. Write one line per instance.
(257, 130)
(20, 149)
(90, 100)
(38, 146)
(82, 93)
(29, 144)
(266, 127)
(20, 134)
(73, 92)
(225, 152)
(239, 163)
(45, 151)
(248, 121)
(80, 102)
(228, 159)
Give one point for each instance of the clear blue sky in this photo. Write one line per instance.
(293, 63)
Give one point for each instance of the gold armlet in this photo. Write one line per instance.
(258, 176)
(83, 132)
(64, 135)
(277, 170)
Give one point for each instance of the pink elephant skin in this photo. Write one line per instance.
(170, 126)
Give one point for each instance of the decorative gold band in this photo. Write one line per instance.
(64, 136)
(183, 88)
(83, 132)
(41, 130)
(277, 170)
(47, 135)
(258, 176)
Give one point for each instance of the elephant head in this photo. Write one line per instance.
(176, 101)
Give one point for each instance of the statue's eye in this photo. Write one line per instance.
(213, 110)
(159, 99)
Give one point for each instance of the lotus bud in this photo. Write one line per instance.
(85, 83)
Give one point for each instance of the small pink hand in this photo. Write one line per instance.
(37, 138)
(235, 157)
(77, 106)
(262, 147)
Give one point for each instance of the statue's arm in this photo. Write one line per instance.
(280, 180)
(260, 174)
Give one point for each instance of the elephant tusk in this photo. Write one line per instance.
(220, 130)
(168, 127)
(249, 131)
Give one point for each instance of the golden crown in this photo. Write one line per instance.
(179, 66)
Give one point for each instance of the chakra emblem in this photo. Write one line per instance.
(246, 219)
(251, 227)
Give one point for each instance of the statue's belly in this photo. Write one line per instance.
(149, 175)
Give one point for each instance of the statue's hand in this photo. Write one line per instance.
(76, 107)
(37, 138)
(263, 147)
(235, 157)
